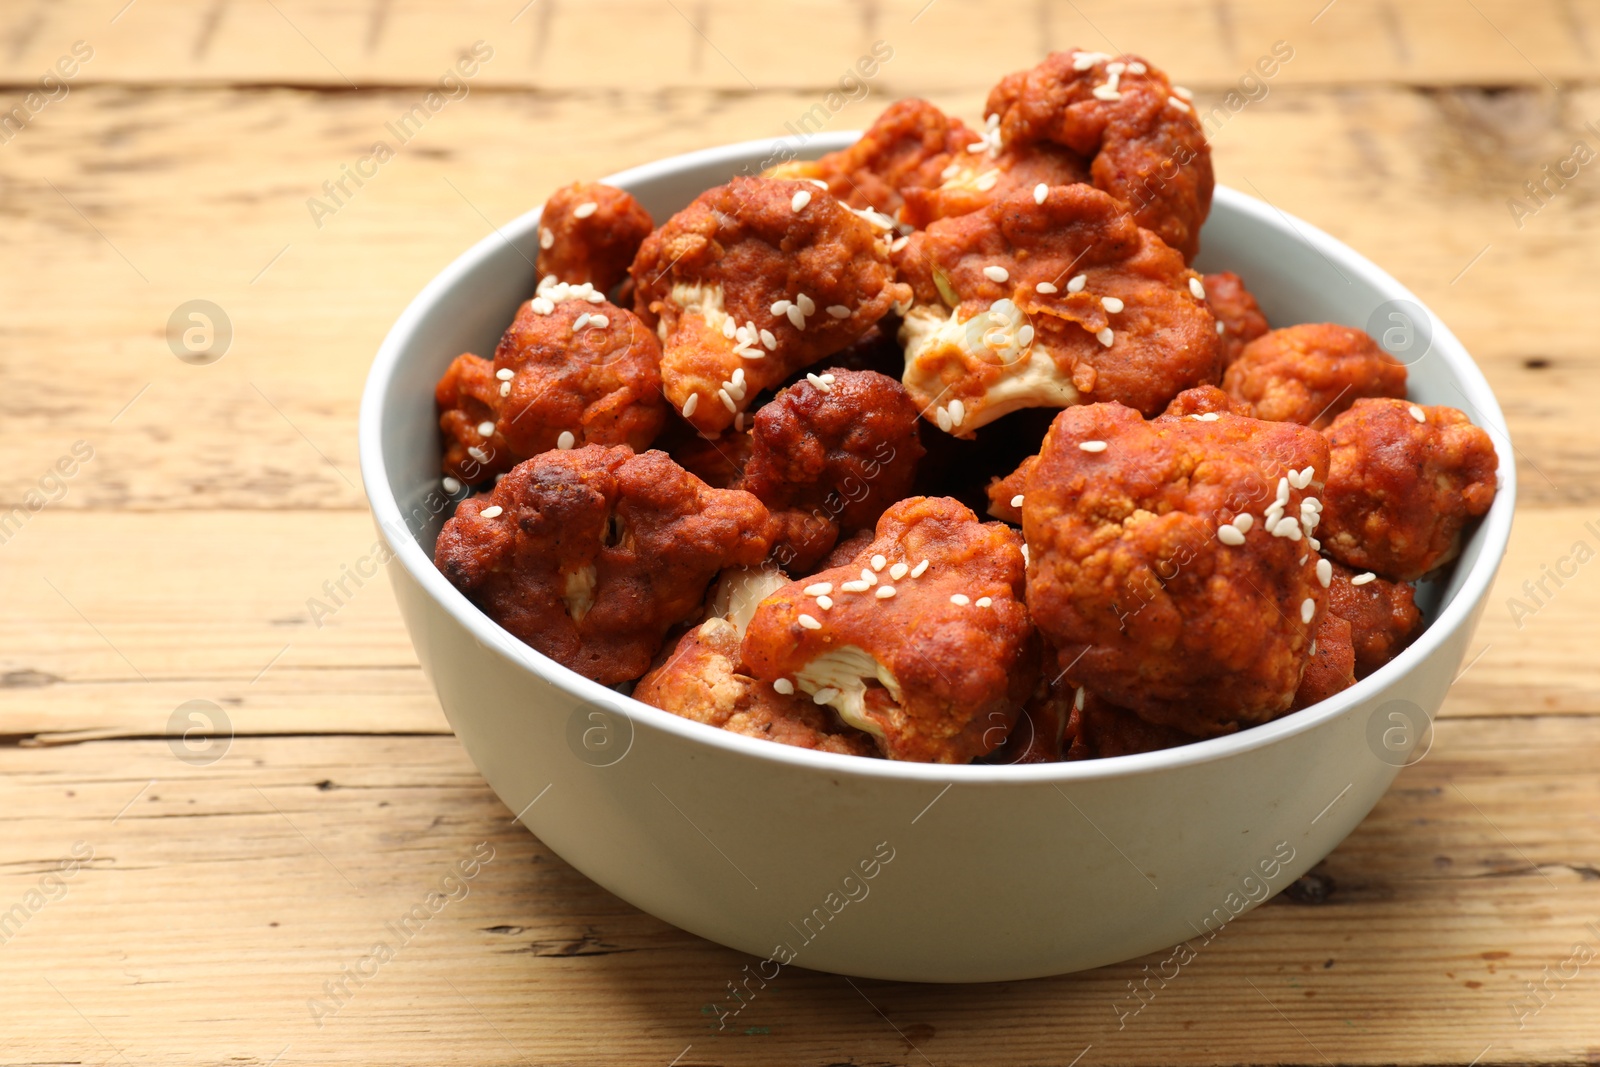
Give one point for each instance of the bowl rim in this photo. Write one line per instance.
(1495, 526)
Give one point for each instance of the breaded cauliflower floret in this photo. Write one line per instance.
(1049, 302)
(978, 178)
(844, 443)
(592, 555)
(1331, 667)
(589, 233)
(702, 677)
(1312, 372)
(753, 281)
(570, 370)
(1383, 615)
(1136, 130)
(1098, 729)
(1006, 494)
(1239, 317)
(922, 640)
(1404, 481)
(907, 147)
(1157, 591)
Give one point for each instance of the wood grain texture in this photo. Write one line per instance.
(220, 899)
(187, 559)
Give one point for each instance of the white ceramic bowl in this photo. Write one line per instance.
(895, 870)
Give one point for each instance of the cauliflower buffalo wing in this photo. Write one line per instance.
(922, 640)
(589, 233)
(1310, 373)
(591, 555)
(1170, 563)
(1403, 482)
(753, 281)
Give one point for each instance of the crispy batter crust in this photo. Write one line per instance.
(1205, 400)
(1312, 372)
(595, 246)
(597, 552)
(1003, 491)
(946, 678)
(1129, 576)
(908, 147)
(598, 383)
(1400, 491)
(1143, 143)
(702, 678)
(847, 448)
(717, 282)
(997, 345)
(1383, 617)
(1237, 312)
(1332, 665)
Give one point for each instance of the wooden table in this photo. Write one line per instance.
(216, 886)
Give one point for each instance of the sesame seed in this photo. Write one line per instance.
(1316, 546)
(898, 571)
(818, 182)
(1308, 608)
(768, 339)
(1324, 573)
(781, 307)
(491, 512)
(986, 180)
(824, 602)
(566, 440)
(996, 274)
(950, 172)
(599, 320)
(1136, 67)
(1283, 492)
(824, 695)
(1363, 578)
(1016, 501)
(784, 686)
(1025, 336)
(1111, 304)
(959, 600)
(808, 306)
(878, 563)
(546, 238)
(584, 210)
(920, 569)
(816, 382)
(797, 318)
(1244, 522)
(942, 417)
(580, 322)
(1417, 413)
(690, 404)
(1045, 288)
(838, 311)
(1197, 289)
(1105, 337)
(1116, 68)
(984, 602)
(854, 587)
(868, 577)
(1286, 527)
(1092, 446)
(818, 589)
(1181, 91)
(884, 592)
(1304, 556)
(1179, 104)
(478, 454)
(451, 485)
(958, 412)
(808, 622)
(1077, 283)
(485, 429)
(1024, 553)
(1209, 416)
(505, 374)
(1077, 698)
(801, 199)
(727, 401)
(729, 329)
(1222, 328)
(977, 146)
(542, 305)
(1040, 191)
(1229, 535)
(505, 388)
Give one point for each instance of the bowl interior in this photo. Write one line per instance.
(1298, 273)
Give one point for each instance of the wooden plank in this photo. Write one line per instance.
(217, 606)
(733, 45)
(219, 899)
(1417, 181)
